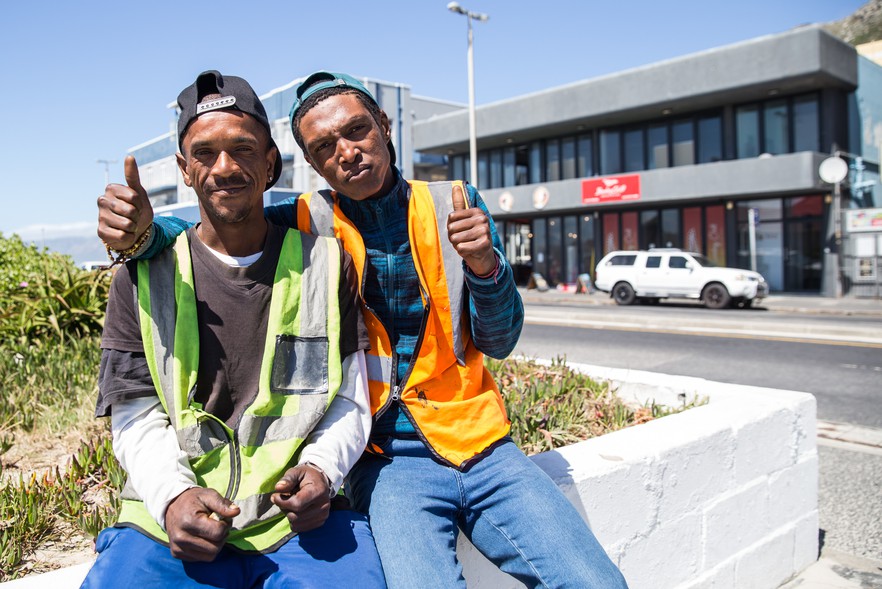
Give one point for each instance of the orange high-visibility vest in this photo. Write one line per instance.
(449, 395)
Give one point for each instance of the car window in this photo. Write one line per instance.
(653, 262)
(622, 260)
(677, 262)
(704, 261)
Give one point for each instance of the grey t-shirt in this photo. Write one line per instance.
(232, 306)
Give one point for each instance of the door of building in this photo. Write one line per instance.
(517, 242)
(802, 255)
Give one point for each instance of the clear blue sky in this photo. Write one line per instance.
(83, 81)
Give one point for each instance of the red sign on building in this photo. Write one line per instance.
(611, 189)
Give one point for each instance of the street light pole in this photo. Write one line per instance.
(106, 169)
(473, 131)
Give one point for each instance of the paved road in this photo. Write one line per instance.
(846, 378)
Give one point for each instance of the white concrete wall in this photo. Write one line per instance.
(720, 496)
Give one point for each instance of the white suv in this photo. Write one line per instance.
(670, 273)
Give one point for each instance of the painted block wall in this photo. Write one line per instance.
(722, 495)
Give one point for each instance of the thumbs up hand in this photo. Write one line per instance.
(469, 231)
(124, 211)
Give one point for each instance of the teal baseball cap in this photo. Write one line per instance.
(321, 80)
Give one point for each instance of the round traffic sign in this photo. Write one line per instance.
(833, 170)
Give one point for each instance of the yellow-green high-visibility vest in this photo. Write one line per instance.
(300, 375)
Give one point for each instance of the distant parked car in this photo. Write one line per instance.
(97, 265)
(649, 276)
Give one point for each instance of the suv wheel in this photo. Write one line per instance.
(716, 296)
(623, 294)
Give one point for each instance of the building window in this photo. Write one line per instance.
(610, 152)
(540, 247)
(650, 232)
(535, 162)
(610, 232)
(692, 232)
(803, 206)
(670, 227)
(552, 160)
(509, 167)
(586, 156)
(747, 131)
(776, 129)
(568, 158)
(522, 165)
(715, 228)
(710, 139)
(806, 125)
(684, 143)
(634, 151)
(495, 168)
(457, 167)
(555, 251)
(483, 170)
(586, 241)
(571, 249)
(657, 139)
(630, 231)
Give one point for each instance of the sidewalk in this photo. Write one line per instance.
(838, 570)
(779, 302)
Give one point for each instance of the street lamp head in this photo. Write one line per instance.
(455, 7)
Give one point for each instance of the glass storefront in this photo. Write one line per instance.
(788, 239)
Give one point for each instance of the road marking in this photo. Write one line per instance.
(847, 436)
(861, 367)
(849, 446)
(827, 340)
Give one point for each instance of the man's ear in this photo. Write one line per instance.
(182, 165)
(271, 154)
(385, 125)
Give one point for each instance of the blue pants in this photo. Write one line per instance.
(506, 505)
(339, 554)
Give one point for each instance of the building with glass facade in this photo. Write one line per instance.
(684, 153)
(676, 154)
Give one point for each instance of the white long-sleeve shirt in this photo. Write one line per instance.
(147, 447)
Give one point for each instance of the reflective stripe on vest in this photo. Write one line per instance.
(300, 374)
(449, 394)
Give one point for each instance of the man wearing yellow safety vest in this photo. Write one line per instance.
(438, 294)
(233, 370)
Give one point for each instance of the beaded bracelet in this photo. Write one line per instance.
(127, 254)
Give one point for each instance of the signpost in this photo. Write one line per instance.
(833, 170)
(752, 222)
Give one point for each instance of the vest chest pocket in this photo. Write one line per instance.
(300, 365)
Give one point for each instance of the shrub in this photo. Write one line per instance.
(21, 263)
(552, 405)
(58, 304)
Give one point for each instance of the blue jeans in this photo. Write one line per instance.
(506, 505)
(341, 553)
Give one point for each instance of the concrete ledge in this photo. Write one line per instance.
(723, 495)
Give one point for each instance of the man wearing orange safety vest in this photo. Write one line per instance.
(438, 294)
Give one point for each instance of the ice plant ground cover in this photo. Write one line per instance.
(59, 481)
